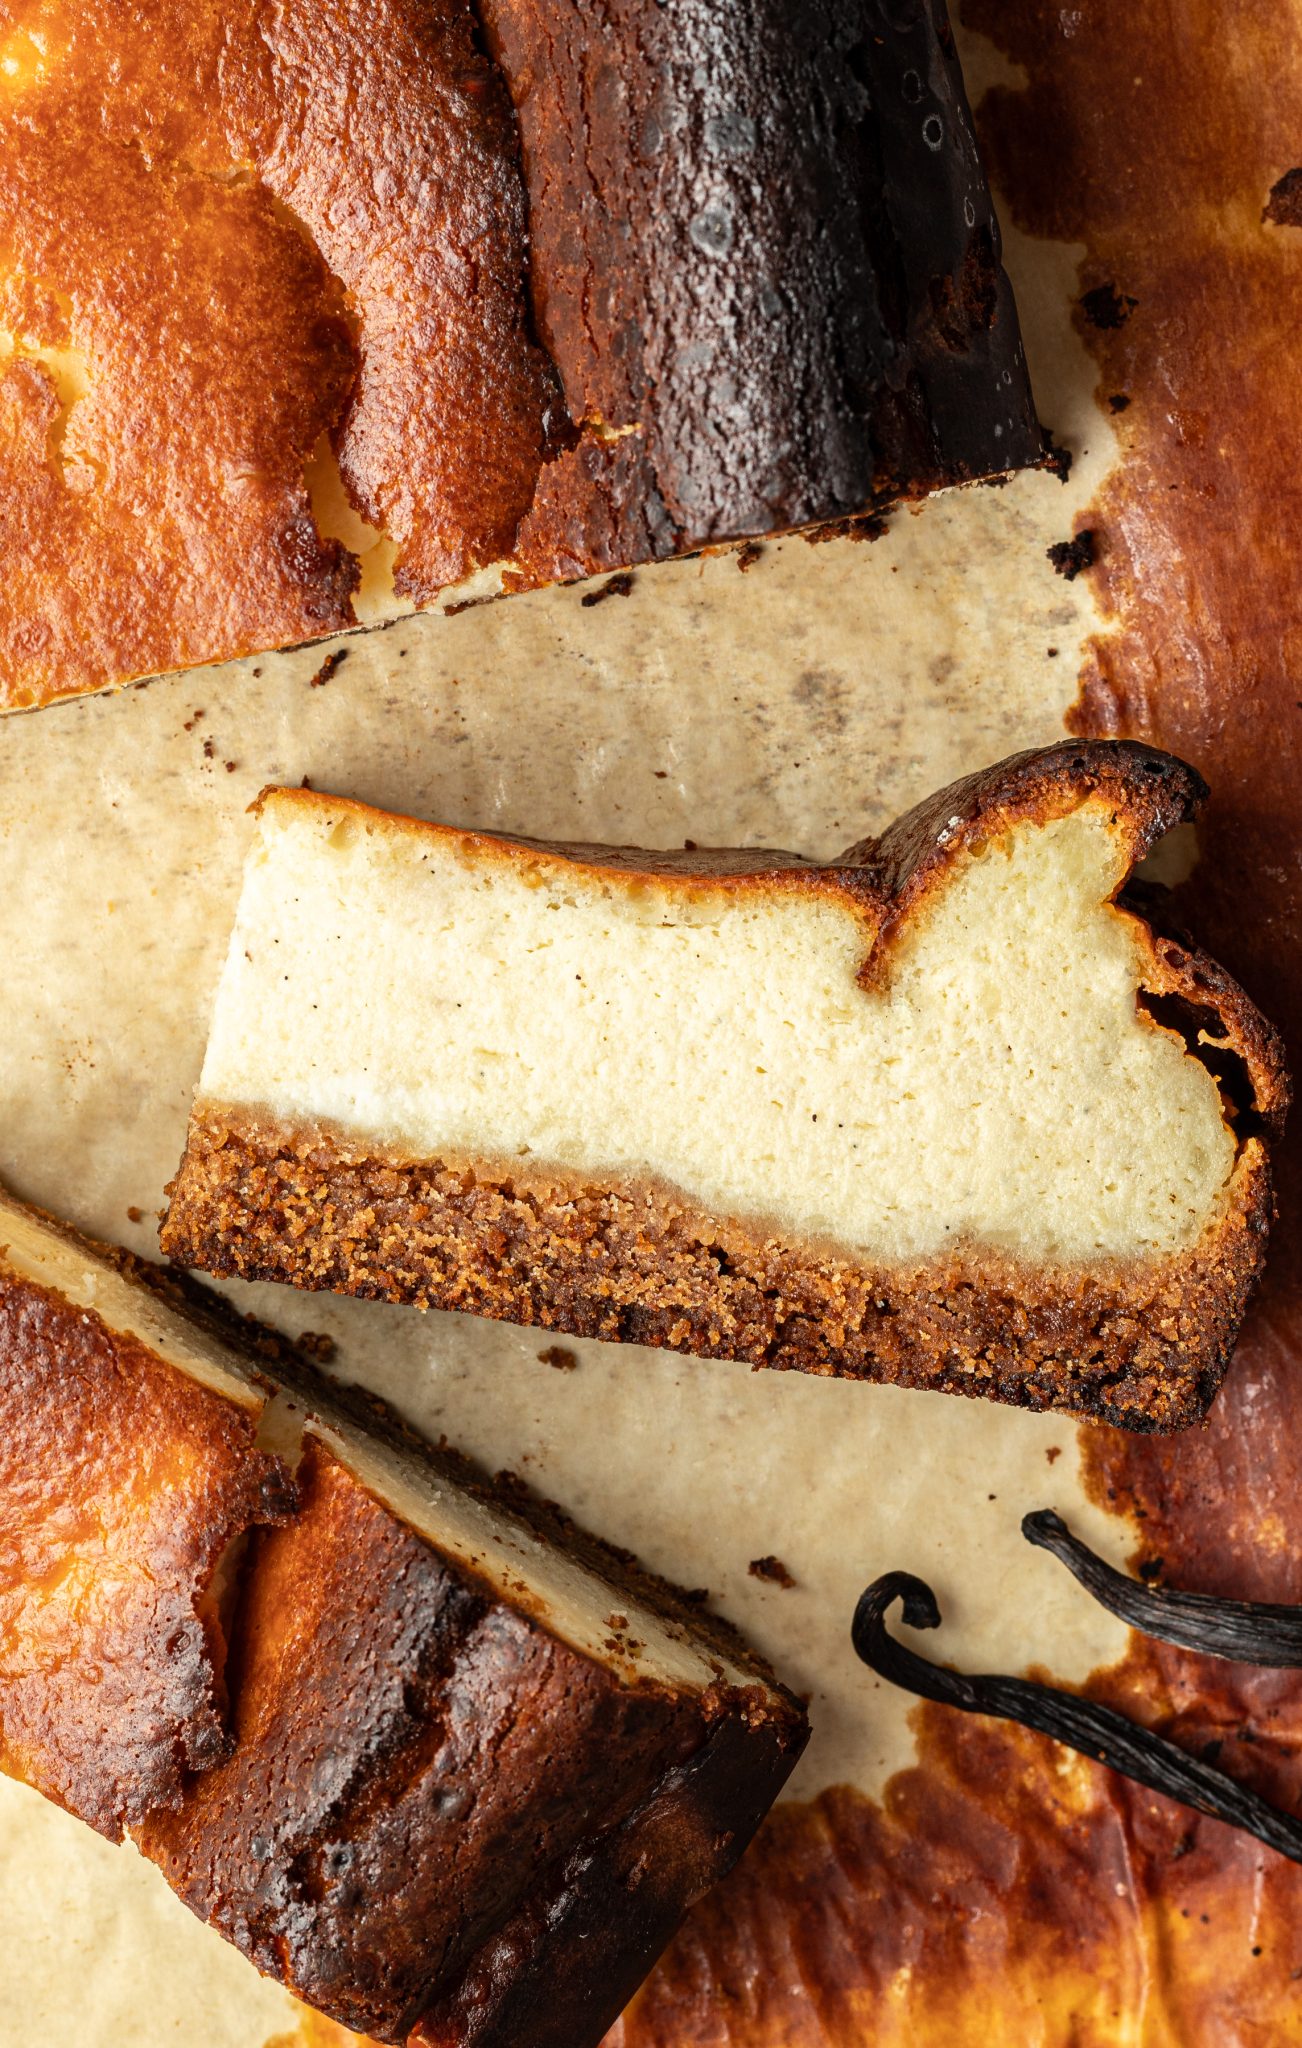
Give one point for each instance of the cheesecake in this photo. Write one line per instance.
(443, 1764)
(310, 314)
(949, 1111)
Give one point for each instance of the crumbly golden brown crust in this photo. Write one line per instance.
(1145, 1347)
(1144, 1344)
(426, 1787)
(122, 1484)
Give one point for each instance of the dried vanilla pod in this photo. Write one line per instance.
(1102, 1733)
(1264, 1632)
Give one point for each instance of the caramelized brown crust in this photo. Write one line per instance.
(1144, 1344)
(163, 518)
(391, 136)
(434, 1807)
(256, 226)
(765, 257)
(122, 1485)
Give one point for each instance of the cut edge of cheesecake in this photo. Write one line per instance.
(131, 1474)
(333, 1140)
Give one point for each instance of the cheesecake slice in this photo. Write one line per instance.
(946, 1112)
(444, 1765)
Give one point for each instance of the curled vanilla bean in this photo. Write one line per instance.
(1247, 1631)
(1104, 1734)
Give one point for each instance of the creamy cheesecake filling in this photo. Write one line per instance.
(453, 996)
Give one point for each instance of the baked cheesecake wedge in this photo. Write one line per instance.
(444, 1765)
(946, 1112)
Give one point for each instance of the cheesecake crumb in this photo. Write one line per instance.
(316, 1345)
(771, 1570)
(614, 586)
(560, 1356)
(1069, 557)
(329, 667)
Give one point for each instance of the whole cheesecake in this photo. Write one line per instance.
(314, 312)
(945, 1112)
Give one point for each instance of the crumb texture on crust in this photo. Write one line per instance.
(123, 1484)
(1142, 1345)
(710, 190)
(982, 1122)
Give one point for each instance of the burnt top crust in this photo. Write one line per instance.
(438, 1760)
(757, 242)
(413, 1758)
(765, 264)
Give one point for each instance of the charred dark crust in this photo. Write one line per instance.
(1149, 790)
(613, 1907)
(1149, 793)
(765, 262)
(1142, 1347)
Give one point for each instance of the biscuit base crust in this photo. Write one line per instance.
(1143, 1345)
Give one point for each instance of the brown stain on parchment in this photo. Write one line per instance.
(1002, 1892)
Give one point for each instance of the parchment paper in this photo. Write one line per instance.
(801, 703)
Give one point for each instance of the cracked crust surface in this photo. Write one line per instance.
(122, 1485)
(237, 235)
(1141, 1339)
